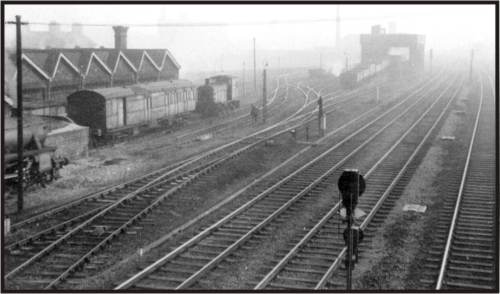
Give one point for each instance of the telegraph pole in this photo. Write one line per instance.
(471, 59)
(264, 94)
(243, 84)
(430, 60)
(321, 117)
(254, 68)
(20, 200)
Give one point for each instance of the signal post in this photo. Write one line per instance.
(321, 117)
(351, 185)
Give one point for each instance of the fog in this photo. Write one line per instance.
(301, 30)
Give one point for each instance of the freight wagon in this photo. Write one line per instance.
(354, 77)
(119, 111)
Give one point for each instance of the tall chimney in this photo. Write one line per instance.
(120, 37)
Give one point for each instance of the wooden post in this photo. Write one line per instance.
(264, 95)
(243, 83)
(254, 68)
(430, 60)
(20, 155)
(321, 118)
(471, 59)
(378, 95)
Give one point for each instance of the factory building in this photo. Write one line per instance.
(50, 75)
(378, 45)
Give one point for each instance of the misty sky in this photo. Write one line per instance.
(445, 26)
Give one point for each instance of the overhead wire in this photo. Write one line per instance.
(212, 24)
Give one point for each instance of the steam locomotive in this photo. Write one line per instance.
(40, 163)
(218, 91)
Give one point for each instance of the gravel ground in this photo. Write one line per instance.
(222, 184)
(396, 253)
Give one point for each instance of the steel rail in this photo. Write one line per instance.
(456, 211)
(207, 231)
(379, 203)
(134, 193)
(269, 102)
(175, 166)
(259, 226)
(280, 265)
(117, 231)
(146, 210)
(89, 213)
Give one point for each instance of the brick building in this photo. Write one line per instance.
(378, 45)
(50, 75)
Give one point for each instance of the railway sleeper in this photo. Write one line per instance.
(204, 252)
(478, 244)
(282, 286)
(471, 270)
(171, 276)
(462, 285)
(470, 249)
(186, 263)
(233, 230)
(145, 286)
(468, 277)
(282, 277)
(473, 257)
(479, 266)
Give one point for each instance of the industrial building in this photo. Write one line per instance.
(378, 45)
(50, 75)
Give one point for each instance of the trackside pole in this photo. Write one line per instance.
(321, 117)
(378, 95)
(264, 95)
(20, 175)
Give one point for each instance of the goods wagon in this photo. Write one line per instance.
(118, 111)
(354, 77)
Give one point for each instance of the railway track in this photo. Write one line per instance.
(105, 235)
(139, 197)
(68, 214)
(312, 262)
(243, 117)
(462, 256)
(185, 265)
(108, 195)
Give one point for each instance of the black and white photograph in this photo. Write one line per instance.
(253, 146)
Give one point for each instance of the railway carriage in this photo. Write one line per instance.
(354, 77)
(113, 112)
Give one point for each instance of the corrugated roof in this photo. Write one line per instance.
(156, 55)
(134, 56)
(45, 60)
